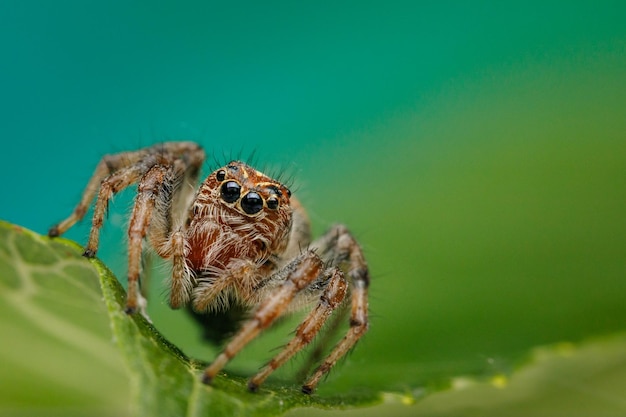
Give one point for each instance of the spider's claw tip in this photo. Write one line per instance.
(253, 387)
(207, 379)
(308, 390)
(54, 231)
(130, 310)
(89, 253)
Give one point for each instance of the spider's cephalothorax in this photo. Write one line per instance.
(239, 213)
(239, 226)
(240, 237)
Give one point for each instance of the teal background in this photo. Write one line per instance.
(476, 149)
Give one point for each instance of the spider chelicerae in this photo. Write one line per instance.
(239, 241)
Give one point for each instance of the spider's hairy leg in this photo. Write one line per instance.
(324, 340)
(148, 190)
(110, 185)
(358, 327)
(302, 271)
(333, 294)
(111, 165)
(167, 234)
(166, 173)
(108, 165)
(346, 249)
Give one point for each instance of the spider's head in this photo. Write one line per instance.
(250, 192)
(241, 213)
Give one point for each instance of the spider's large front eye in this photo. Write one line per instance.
(230, 191)
(252, 203)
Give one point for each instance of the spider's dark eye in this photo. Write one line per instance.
(221, 175)
(230, 191)
(252, 203)
(272, 203)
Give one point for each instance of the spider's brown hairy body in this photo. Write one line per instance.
(214, 221)
(234, 239)
(238, 238)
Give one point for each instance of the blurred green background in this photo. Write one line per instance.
(476, 149)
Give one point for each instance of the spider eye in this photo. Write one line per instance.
(272, 203)
(221, 175)
(230, 191)
(252, 203)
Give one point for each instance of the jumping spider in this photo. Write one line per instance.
(241, 238)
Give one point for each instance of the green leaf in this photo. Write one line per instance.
(73, 349)
(69, 349)
(588, 379)
(57, 351)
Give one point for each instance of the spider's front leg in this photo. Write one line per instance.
(147, 193)
(161, 195)
(113, 174)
